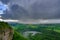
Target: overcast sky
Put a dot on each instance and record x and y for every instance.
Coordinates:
(33, 9)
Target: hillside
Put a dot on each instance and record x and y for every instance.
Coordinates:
(8, 33)
(29, 31)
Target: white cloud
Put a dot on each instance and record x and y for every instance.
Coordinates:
(40, 21)
(8, 20)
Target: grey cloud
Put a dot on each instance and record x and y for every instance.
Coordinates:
(35, 9)
(5, 1)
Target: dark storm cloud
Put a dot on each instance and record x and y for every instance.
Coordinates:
(5, 1)
(45, 9)
(36, 9)
(16, 12)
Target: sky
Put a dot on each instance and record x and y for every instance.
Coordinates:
(32, 9)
